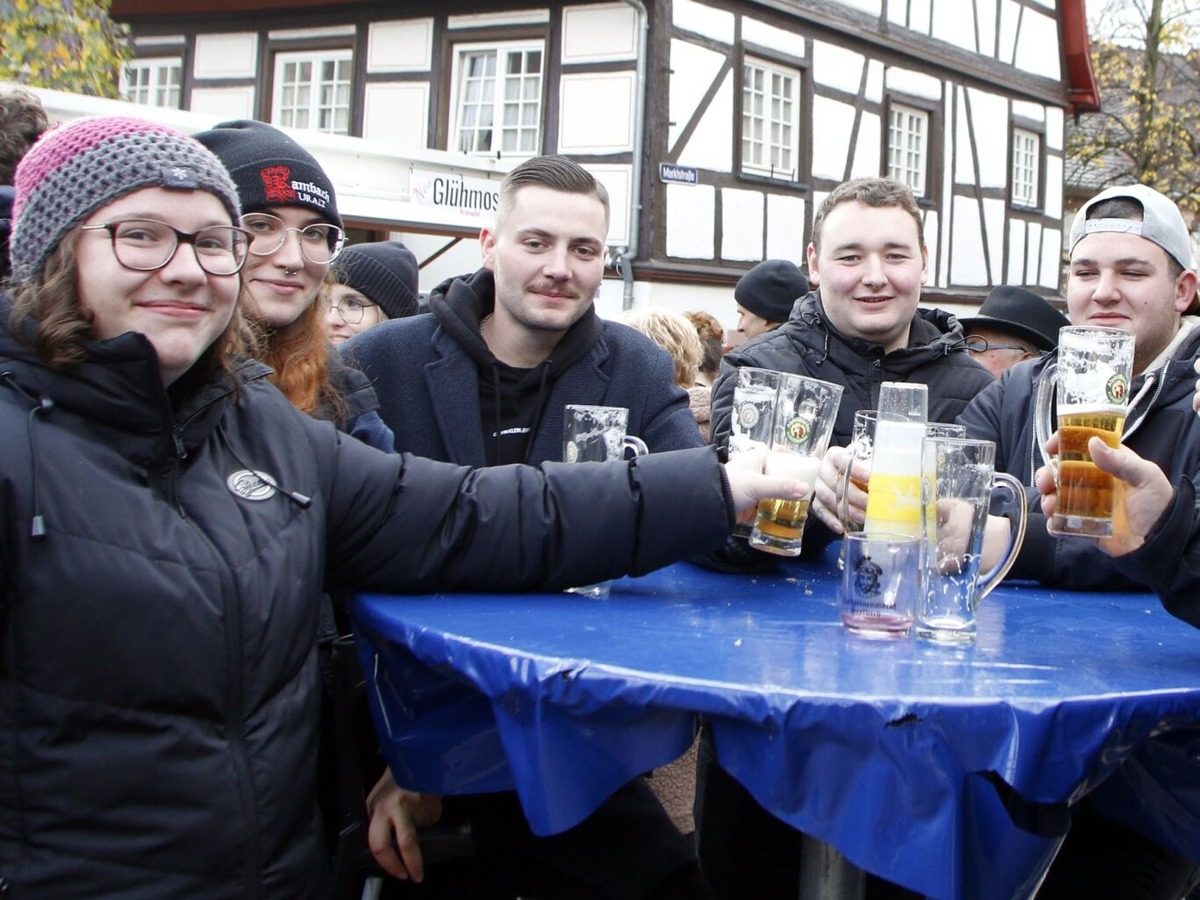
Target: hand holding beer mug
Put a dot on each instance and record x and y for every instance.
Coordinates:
(1090, 382)
(805, 411)
(754, 398)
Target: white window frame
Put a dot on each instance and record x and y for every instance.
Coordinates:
(322, 101)
(770, 119)
(156, 81)
(1026, 168)
(505, 124)
(908, 144)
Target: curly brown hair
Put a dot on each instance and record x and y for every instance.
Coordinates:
(22, 121)
(712, 337)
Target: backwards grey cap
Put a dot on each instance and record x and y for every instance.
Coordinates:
(1161, 222)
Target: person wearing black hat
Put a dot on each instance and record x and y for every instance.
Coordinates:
(375, 282)
(1013, 324)
(766, 294)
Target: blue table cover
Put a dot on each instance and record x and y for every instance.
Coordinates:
(947, 770)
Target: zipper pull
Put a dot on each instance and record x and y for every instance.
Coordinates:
(177, 438)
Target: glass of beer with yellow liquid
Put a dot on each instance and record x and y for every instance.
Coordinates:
(805, 411)
(1089, 385)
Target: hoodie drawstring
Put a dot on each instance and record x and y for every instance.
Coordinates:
(40, 407)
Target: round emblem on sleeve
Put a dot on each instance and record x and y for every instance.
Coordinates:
(250, 485)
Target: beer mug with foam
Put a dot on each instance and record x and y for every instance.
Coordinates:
(754, 396)
(805, 412)
(959, 476)
(1089, 382)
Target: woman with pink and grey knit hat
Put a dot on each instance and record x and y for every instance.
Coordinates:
(170, 520)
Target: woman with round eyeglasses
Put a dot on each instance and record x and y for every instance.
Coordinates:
(374, 282)
(289, 207)
(170, 521)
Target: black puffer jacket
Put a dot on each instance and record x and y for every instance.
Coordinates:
(809, 345)
(158, 685)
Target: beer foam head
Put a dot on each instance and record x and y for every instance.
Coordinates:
(1161, 222)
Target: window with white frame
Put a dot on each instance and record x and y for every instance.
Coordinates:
(1026, 167)
(312, 90)
(770, 119)
(908, 146)
(498, 98)
(153, 82)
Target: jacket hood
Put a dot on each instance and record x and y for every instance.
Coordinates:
(933, 333)
(512, 396)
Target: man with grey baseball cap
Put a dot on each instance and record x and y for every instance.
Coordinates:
(1131, 268)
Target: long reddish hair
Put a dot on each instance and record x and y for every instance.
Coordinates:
(299, 354)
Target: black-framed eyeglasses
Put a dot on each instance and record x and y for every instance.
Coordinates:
(320, 243)
(145, 245)
(351, 309)
(977, 343)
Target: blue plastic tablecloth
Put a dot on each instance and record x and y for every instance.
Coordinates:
(947, 770)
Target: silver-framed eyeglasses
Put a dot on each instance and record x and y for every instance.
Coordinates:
(351, 309)
(977, 343)
(145, 245)
(320, 243)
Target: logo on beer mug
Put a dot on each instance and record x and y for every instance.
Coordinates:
(748, 416)
(1116, 388)
(866, 577)
(798, 430)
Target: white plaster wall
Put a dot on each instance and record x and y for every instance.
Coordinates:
(989, 118)
(837, 67)
(1037, 45)
(785, 228)
(1014, 272)
(876, 73)
(305, 34)
(711, 144)
(714, 23)
(507, 17)
(831, 139)
(693, 70)
(396, 113)
(617, 180)
(756, 32)
(932, 234)
(1033, 112)
(1054, 128)
(954, 22)
(874, 7)
(226, 55)
(1006, 48)
(967, 262)
(607, 31)
(691, 220)
(995, 213)
(224, 103)
(867, 160)
(1051, 258)
(1033, 252)
(596, 112)
(400, 46)
(985, 16)
(916, 83)
(1054, 187)
(742, 220)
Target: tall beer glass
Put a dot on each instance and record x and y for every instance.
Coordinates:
(1090, 385)
(805, 412)
(754, 397)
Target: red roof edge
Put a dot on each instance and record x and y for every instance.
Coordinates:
(1082, 91)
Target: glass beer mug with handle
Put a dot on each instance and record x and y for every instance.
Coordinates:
(959, 476)
(1089, 384)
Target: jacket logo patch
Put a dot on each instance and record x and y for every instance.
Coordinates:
(249, 485)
